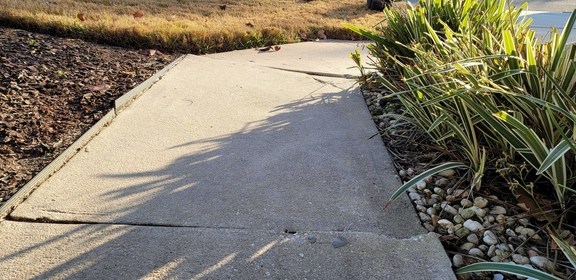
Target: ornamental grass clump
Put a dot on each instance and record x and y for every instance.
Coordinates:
(481, 84)
(490, 91)
(407, 28)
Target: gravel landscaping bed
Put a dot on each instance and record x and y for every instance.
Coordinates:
(52, 90)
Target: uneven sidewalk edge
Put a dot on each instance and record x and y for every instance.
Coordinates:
(120, 104)
(108, 251)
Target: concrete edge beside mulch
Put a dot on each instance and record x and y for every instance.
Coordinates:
(120, 104)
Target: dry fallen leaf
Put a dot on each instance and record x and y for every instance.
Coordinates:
(269, 48)
(81, 16)
(529, 204)
(138, 14)
(265, 49)
(100, 87)
(150, 52)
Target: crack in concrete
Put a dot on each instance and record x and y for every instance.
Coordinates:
(321, 74)
(44, 220)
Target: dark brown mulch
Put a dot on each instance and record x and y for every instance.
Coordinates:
(52, 90)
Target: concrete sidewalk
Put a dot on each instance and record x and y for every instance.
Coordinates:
(228, 168)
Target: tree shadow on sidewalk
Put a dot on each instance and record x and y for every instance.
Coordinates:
(226, 199)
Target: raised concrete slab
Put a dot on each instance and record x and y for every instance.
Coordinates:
(50, 251)
(322, 57)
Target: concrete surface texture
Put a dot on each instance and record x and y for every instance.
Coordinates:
(229, 169)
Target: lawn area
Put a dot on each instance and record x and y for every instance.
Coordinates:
(195, 26)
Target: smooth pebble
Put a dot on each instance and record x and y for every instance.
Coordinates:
(438, 191)
(476, 252)
(458, 192)
(447, 173)
(519, 259)
(467, 213)
(473, 238)
(473, 225)
(442, 182)
(497, 276)
(421, 185)
(449, 209)
(458, 260)
(489, 238)
(445, 223)
(466, 203)
(542, 262)
(461, 232)
(424, 217)
(467, 246)
(480, 202)
(496, 210)
(480, 212)
(409, 171)
(458, 219)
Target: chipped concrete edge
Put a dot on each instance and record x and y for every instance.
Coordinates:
(120, 104)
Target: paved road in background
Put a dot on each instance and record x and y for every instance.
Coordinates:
(551, 5)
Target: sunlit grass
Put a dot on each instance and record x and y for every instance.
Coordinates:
(196, 26)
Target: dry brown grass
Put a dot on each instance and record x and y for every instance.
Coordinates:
(197, 26)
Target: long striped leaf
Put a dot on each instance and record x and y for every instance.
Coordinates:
(569, 251)
(515, 269)
(555, 154)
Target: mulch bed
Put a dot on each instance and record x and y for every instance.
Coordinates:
(52, 90)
